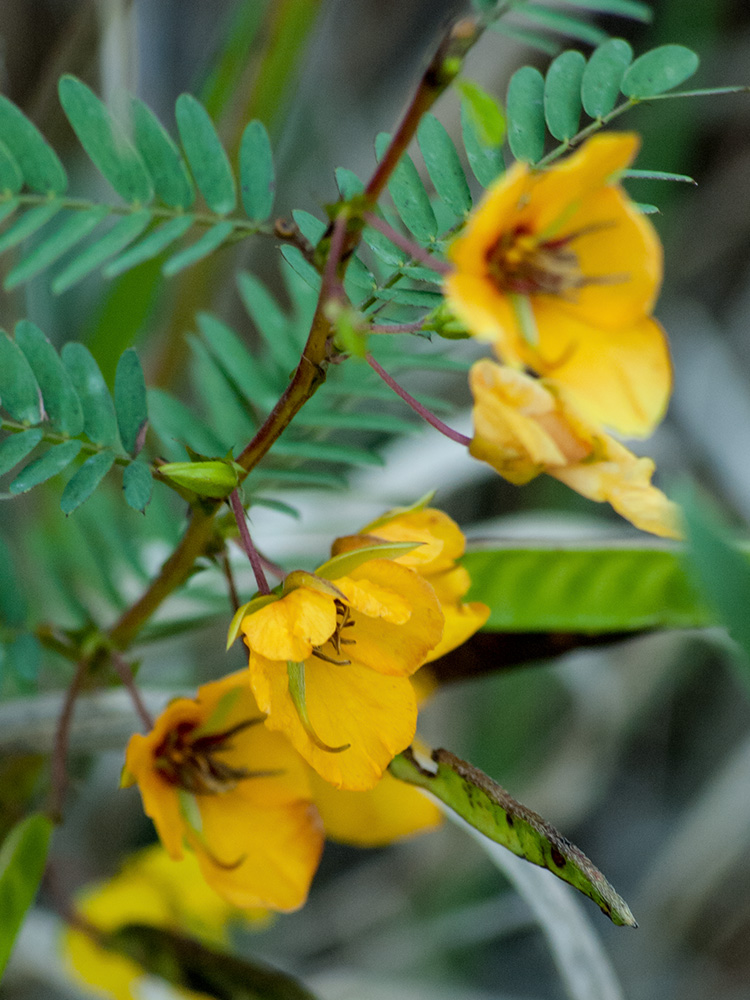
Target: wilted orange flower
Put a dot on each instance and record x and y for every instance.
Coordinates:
(441, 544)
(330, 662)
(560, 271)
(524, 426)
(240, 797)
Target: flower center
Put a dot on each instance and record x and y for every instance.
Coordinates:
(193, 761)
(337, 640)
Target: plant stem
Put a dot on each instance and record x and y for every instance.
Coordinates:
(405, 244)
(247, 543)
(126, 676)
(423, 412)
(60, 752)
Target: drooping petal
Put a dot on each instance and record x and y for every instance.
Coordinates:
(442, 541)
(621, 379)
(375, 714)
(389, 811)
(461, 622)
(259, 856)
(288, 628)
(375, 601)
(486, 312)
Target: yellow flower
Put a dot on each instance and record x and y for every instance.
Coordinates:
(151, 889)
(212, 776)
(524, 426)
(248, 806)
(330, 662)
(560, 271)
(442, 543)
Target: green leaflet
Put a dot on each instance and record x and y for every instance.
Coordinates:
(105, 142)
(555, 20)
(150, 246)
(137, 485)
(443, 165)
(123, 232)
(189, 965)
(409, 196)
(486, 161)
(222, 403)
(54, 460)
(60, 398)
(16, 447)
(562, 94)
(75, 228)
(11, 178)
(239, 365)
(347, 562)
(269, 319)
(659, 70)
(177, 425)
(296, 260)
(590, 588)
(210, 241)
(83, 483)
(19, 392)
(323, 451)
(602, 77)
(624, 8)
(99, 420)
(257, 179)
(525, 108)
(170, 176)
(23, 857)
(40, 165)
(130, 402)
(206, 155)
(486, 806)
(296, 675)
(28, 224)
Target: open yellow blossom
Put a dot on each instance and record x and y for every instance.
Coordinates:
(524, 426)
(442, 543)
(330, 662)
(560, 271)
(212, 776)
(247, 805)
(151, 889)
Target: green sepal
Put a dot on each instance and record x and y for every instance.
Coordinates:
(301, 578)
(296, 675)
(524, 314)
(487, 807)
(348, 561)
(247, 609)
(215, 478)
(389, 515)
(445, 324)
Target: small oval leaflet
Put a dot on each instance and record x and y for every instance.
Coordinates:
(137, 485)
(602, 77)
(659, 70)
(525, 108)
(257, 179)
(171, 179)
(130, 401)
(40, 165)
(83, 483)
(60, 398)
(99, 421)
(206, 155)
(54, 460)
(443, 165)
(409, 195)
(562, 94)
(15, 447)
(23, 857)
(20, 395)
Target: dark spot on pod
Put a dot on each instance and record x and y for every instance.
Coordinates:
(558, 858)
(509, 819)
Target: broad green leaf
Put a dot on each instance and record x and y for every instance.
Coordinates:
(443, 165)
(171, 179)
(584, 588)
(13, 607)
(75, 228)
(106, 143)
(623, 8)
(210, 241)
(206, 156)
(83, 483)
(239, 365)
(487, 807)
(325, 451)
(720, 568)
(603, 75)
(28, 224)
(525, 109)
(656, 175)
(176, 425)
(54, 460)
(409, 196)
(296, 260)
(348, 183)
(189, 965)
(659, 70)
(150, 246)
(99, 420)
(23, 858)
(571, 27)
(61, 401)
(486, 113)
(11, 178)
(347, 562)
(137, 485)
(123, 233)
(130, 402)
(486, 161)
(257, 179)
(562, 94)
(15, 447)
(40, 165)
(19, 392)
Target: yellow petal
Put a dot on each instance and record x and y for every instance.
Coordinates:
(496, 212)
(289, 628)
(486, 312)
(374, 600)
(461, 622)
(389, 811)
(352, 704)
(442, 539)
(621, 379)
(277, 847)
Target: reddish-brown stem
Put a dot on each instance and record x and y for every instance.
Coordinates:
(423, 412)
(404, 243)
(398, 327)
(126, 676)
(62, 736)
(226, 566)
(247, 543)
